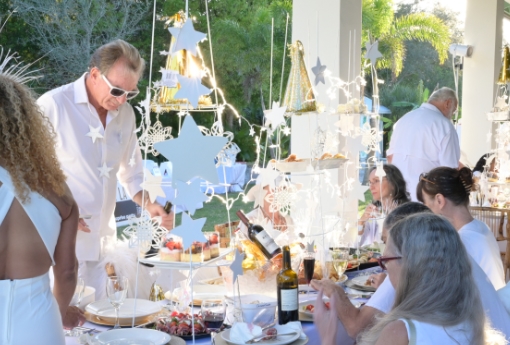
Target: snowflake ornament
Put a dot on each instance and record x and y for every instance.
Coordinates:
(371, 137)
(144, 232)
(154, 134)
(282, 198)
(227, 156)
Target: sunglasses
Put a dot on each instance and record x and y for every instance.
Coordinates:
(118, 92)
(381, 260)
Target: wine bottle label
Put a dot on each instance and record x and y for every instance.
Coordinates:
(289, 299)
(266, 240)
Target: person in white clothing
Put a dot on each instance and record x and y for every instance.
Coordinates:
(357, 320)
(97, 144)
(436, 299)
(446, 192)
(425, 138)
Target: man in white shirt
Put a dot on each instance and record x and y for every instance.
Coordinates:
(425, 138)
(97, 144)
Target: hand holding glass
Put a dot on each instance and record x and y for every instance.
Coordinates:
(116, 290)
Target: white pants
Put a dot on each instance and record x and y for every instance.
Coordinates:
(29, 313)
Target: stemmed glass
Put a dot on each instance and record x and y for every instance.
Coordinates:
(116, 290)
(340, 258)
(213, 314)
(78, 292)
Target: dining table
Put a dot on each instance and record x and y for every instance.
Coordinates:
(308, 327)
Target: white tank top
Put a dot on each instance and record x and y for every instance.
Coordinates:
(43, 214)
(429, 334)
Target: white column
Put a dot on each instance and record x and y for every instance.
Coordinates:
(331, 30)
(484, 26)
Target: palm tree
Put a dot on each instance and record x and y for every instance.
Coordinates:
(379, 23)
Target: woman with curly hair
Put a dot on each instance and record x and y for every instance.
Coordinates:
(38, 222)
(446, 192)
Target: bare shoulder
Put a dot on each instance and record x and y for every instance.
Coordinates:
(64, 203)
(395, 333)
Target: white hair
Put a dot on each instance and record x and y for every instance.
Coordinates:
(443, 94)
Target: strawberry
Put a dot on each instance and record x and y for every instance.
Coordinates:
(170, 245)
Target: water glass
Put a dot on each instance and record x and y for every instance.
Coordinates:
(116, 290)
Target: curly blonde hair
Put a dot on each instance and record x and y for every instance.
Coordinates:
(27, 146)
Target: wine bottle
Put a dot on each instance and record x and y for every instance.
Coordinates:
(287, 287)
(260, 237)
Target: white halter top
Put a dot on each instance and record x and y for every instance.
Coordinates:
(43, 214)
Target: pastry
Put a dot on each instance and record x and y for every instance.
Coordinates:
(327, 155)
(171, 248)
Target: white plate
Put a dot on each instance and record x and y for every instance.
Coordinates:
(103, 308)
(133, 336)
(360, 282)
(330, 163)
(280, 340)
(292, 166)
(202, 292)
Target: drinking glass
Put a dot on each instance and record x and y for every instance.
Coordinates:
(78, 292)
(116, 290)
(213, 314)
(340, 259)
(309, 266)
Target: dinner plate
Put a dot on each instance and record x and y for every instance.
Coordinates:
(218, 340)
(123, 322)
(202, 292)
(280, 340)
(359, 284)
(133, 336)
(104, 308)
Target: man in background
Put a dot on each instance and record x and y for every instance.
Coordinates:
(425, 138)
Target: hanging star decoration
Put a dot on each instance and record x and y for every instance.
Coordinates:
(186, 37)
(94, 133)
(310, 247)
(237, 265)
(152, 185)
(190, 230)
(155, 134)
(371, 137)
(257, 195)
(104, 171)
(252, 131)
(373, 52)
(267, 177)
(282, 198)
(191, 89)
(345, 124)
(144, 231)
(501, 103)
(132, 161)
(286, 130)
(227, 155)
(192, 154)
(354, 144)
(357, 190)
(319, 70)
(379, 171)
(189, 195)
(274, 117)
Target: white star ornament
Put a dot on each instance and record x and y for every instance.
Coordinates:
(104, 171)
(501, 103)
(310, 247)
(94, 133)
(152, 185)
(267, 177)
(190, 230)
(274, 117)
(358, 191)
(186, 37)
(191, 89)
(237, 265)
(373, 52)
(318, 71)
(189, 195)
(192, 154)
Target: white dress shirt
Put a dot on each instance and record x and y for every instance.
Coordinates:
(69, 110)
(422, 140)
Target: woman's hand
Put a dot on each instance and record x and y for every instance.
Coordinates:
(370, 210)
(326, 320)
(377, 279)
(74, 317)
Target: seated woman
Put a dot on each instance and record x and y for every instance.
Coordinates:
(386, 195)
(436, 300)
(446, 192)
(38, 222)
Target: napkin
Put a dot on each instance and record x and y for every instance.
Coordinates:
(291, 326)
(241, 332)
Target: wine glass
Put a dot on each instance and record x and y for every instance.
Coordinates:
(309, 265)
(340, 258)
(116, 290)
(213, 314)
(78, 292)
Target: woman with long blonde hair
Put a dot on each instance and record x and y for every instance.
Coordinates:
(38, 222)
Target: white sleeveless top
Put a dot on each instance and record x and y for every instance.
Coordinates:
(429, 334)
(43, 214)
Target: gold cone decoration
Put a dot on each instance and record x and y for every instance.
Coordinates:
(156, 293)
(299, 95)
(504, 75)
(185, 64)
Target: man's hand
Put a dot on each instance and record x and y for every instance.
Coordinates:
(74, 317)
(82, 225)
(167, 220)
(326, 320)
(377, 279)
